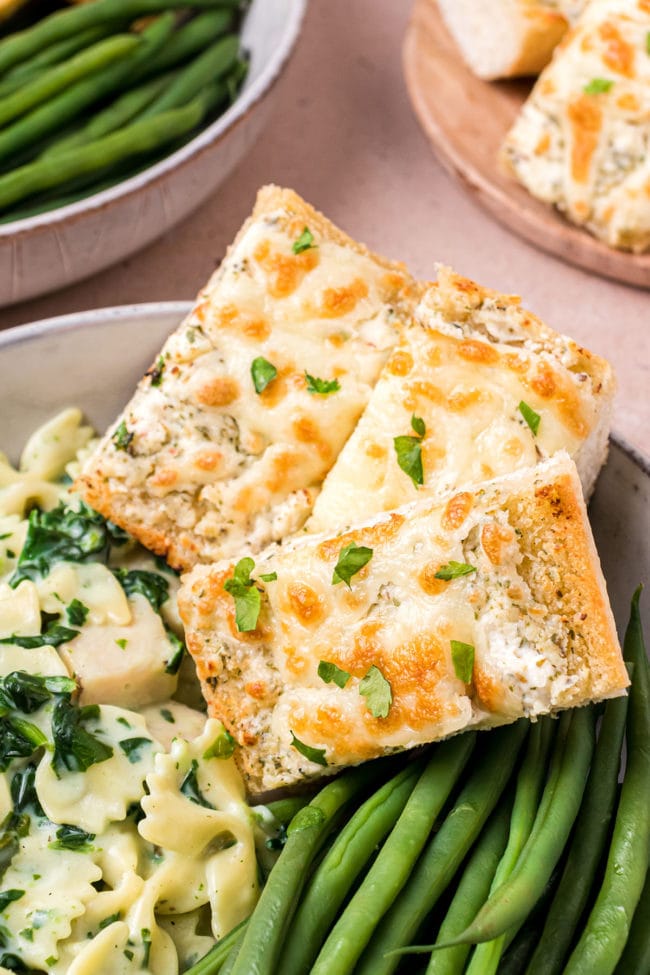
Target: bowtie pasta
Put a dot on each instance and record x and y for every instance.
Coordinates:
(126, 844)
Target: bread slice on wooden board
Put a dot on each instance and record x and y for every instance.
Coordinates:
(470, 364)
(526, 600)
(208, 459)
(508, 38)
(582, 138)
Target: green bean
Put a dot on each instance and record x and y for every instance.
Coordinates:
(522, 944)
(509, 906)
(270, 919)
(212, 962)
(395, 860)
(61, 76)
(606, 930)
(187, 41)
(589, 839)
(636, 957)
(339, 869)
(208, 67)
(140, 137)
(67, 105)
(24, 44)
(233, 955)
(51, 55)
(447, 849)
(113, 117)
(485, 959)
(285, 809)
(472, 890)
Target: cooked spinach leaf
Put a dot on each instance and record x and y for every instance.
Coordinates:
(190, 787)
(72, 838)
(75, 748)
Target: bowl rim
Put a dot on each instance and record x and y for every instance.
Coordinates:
(98, 316)
(241, 107)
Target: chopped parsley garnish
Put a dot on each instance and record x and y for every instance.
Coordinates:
(77, 612)
(597, 86)
(304, 242)
(377, 692)
(321, 387)
(132, 748)
(462, 657)
(190, 787)
(332, 674)
(20, 691)
(64, 535)
(316, 755)
(76, 748)
(145, 934)
(223, 746)
(269, 576)
(263, 372)
(530, 416)
(167, 715)
(453, 570)
(18, 739)
(8, 896)
(156, 372)
(122, 643)
(123, 437)
(72, 838)
(53, 636)
(5, 535)
(409, 451)
(111, 919)
(246, 595)
(351, 560)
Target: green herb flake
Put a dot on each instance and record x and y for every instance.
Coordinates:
(408, 450)
(647, 43)
(145, 934)
(132, 748)
(72, 838)
(223, 746)
(377, 692)
(304, 242)
(27, 934)
(351, 560)
(122, 643)
(246, 595)
(530, 416)
(321, 387)
(156, 372)
(128, 954)
(5, 536)
(77, 613)
(166, 714)
(332, 674)
(123, 437)
(7, 897)
(462, 657)
(269, 576)
(190, 787)
(263, 372)
(453, 570)
(111, 919)
(598, 86)
(316, 755)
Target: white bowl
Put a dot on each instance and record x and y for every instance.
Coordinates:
(46, 252)
(94, 359)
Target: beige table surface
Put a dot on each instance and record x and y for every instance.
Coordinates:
(345, 137)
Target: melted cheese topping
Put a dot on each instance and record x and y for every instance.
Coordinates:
(464, 367)
(214, 466)
(397, 616)
(582, 140)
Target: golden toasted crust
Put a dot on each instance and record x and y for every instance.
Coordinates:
(208, 464)
(534, 609)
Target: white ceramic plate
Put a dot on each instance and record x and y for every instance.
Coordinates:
(94, 359)
(54, 249)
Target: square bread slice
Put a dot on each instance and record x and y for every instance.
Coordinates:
(465, 367)
(230, 433)
(505, 572)
(582, 138)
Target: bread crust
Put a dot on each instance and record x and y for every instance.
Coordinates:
(535, 610)
(207, 464)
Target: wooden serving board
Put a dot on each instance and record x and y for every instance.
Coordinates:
(466, 120)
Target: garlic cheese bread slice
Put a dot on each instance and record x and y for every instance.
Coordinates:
(465, 610)
(582, 139)
(476, 388)
(230, 433)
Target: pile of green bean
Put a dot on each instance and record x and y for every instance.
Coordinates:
(93, 93)
(513, 851)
